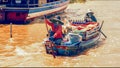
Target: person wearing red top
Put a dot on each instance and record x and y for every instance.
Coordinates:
(56, 32)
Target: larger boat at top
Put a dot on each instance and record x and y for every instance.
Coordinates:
(23, 11)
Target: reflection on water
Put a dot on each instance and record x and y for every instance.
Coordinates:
(26, 48)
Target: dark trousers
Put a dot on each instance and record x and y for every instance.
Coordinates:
(57, 41)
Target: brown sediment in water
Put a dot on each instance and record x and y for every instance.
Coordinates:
(23, 34)
(28, 38)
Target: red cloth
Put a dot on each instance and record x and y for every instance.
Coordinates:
(57, 30)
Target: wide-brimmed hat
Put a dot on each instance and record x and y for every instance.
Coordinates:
(56, 21)
(89, 10)
(58, 17)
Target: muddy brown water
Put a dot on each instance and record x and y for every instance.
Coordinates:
(26, 48)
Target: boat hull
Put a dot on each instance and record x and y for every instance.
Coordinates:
(71, 50)
(26, 15)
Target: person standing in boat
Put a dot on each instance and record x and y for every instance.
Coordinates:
(55, 33)
(90, 16)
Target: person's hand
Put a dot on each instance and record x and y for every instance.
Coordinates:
(45, 16)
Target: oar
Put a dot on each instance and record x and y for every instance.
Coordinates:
(101, 25)
(101, 30)
(46, 25)
(53, 53)
(51, 42)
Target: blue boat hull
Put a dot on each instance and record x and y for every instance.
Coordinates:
(71, 50)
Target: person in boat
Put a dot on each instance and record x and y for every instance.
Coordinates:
(55, 33)
(90, 16)
(72, 39)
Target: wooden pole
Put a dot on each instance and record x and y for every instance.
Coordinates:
(28, 3)
(10, 30)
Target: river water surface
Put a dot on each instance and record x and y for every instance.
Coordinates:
(25, 49)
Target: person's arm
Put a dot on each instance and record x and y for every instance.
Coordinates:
(48, 22)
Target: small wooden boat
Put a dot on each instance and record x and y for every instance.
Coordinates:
(83, 36)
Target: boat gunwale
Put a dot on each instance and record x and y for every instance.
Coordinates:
(34, 7)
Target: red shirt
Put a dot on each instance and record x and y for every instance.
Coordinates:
(57, 30)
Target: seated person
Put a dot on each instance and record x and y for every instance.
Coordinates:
(72, 39)
(90, 16)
